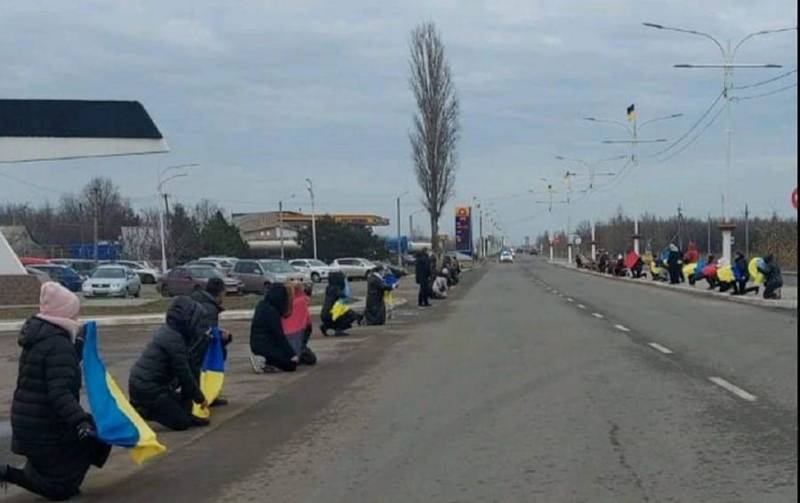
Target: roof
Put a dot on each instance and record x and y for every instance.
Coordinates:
(76, 119)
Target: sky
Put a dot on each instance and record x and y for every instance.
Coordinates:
(264, 94)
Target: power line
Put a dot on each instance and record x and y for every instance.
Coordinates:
(31, 184)
(763, 82)
(762, 95)
(692, 128)
(698, 135)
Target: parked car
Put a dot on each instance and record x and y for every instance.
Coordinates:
(184, 280)
(148, 274)
(112, 281)
(257, 275)
(43, 277)
(317, 269)
(224, 266)
(26, 261)
(354, 267)
(64, 275)
(84, 267)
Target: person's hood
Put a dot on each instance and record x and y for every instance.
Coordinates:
(204, 297)
(186, 316)
(60, 307)
(37, 329)
(336, 278)
(277, 296)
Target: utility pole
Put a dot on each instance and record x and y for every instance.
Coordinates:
(96, 204)
(410, 227)
(399, 247)
(280, 228)
(746, 231)
(680, 227)
(161, 217)
(313, 216)
(709, 234)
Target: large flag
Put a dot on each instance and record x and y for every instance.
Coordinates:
(212, 373)
(117, 421)
(632, 112)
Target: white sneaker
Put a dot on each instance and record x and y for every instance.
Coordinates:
(257, 363)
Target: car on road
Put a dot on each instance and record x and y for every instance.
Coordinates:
(317, 269)
(506, 257)
(65, 276)
(354, 267)
(184, 280)
(148, 274)
(112, 281)
(224, 265)
(257, 275)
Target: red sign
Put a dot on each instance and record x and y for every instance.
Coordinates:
(794, 198)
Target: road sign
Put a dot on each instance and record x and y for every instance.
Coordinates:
(794, 198)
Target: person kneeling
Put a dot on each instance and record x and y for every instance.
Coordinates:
(297, 326)
(336, 315)
(48, 425)
(166, 361)
(267, 339)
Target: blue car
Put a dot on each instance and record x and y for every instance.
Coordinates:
(64, 275)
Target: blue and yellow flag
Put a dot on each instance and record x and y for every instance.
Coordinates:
(116, 420)
(212, 373)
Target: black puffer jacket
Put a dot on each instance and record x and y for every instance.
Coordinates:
(334, 292)
(165, 360)
(46, 410)
(266, 332)
(197, 352)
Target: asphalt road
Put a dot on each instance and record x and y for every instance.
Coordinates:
(536, 384)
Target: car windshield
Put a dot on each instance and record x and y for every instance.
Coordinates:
(204, 272)
(278, 267)
(110, 272)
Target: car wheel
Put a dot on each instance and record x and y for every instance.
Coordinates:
(315, 277)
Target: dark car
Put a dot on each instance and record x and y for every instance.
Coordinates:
(185, 280)
(64, 275)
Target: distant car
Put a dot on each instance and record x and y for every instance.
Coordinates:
(112, 281)
(224, 266)
(506, 257)
(84, 267)
(317, 269)
(354, 267)
(258, 275)
(43, 277)
(148, 274)
(185, 280)
(66, 276)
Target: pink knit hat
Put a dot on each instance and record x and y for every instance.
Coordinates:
(60, 307)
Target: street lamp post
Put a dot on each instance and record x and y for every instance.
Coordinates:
(728, 64)
(313, 216)
(159, 189)
(399, 232)
(280, 225)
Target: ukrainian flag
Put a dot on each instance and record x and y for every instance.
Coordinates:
(116, 420)
(212, 373)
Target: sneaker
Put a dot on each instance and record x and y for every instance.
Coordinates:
(257, 363)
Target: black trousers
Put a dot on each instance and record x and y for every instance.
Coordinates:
(770, 287)
(56, 474)
(169, 410)
(423, 299)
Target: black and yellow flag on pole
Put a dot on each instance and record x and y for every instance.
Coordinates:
(632, 112)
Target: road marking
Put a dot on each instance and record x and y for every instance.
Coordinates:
(598, 316)
(736, 390)
(581, 306)
(570, 299)
(660, 348)
(622, 328)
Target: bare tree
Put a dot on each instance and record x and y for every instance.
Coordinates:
(436, 128)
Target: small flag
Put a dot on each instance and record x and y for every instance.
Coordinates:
(632, 112)
(339, 309)
(116, 420)
(212, 373)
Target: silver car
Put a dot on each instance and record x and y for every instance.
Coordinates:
(112, 281)
(258, 275)
(318, 269)
(353, 267)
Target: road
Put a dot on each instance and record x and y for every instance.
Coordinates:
(534, 383)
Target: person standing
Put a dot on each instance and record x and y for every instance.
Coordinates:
(48, 425)
(674, 265)
(423, 277)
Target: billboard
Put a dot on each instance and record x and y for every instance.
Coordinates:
(464, 229)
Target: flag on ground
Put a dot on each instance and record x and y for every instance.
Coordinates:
(632, 112)
(116, 420)
(212, 373)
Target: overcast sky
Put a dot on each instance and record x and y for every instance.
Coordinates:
(265, 94)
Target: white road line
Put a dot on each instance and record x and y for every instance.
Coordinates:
(736, 390)
(570, 299)
(598, 316)
(660, 348)
(581, 306)
(622, 328)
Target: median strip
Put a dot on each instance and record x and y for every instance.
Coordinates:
(736, 390)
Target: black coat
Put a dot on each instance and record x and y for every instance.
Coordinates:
(197, 352)
(333, 292)
(772, 273)
(423, 269)
(46, 411)
(165, 361)
(375, 313)
(266, 332)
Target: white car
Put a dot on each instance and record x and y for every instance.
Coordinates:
(317, 269)
(148, 274)
(354, 267)
(112, 281)
(506, 257)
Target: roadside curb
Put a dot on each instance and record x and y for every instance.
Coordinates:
(784, 305)
(156, 318)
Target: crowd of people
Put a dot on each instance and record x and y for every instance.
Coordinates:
(435, 281)
(676, 266)
(58, 437)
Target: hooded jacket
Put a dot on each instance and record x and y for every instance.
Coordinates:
(46, 411)
(334, 292)
(375, 312)
(165, 360)
(266, 331)
(212, 309)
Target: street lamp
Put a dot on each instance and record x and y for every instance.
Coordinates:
(313, 216)
(161, 215)
(399, 246)
(727, 66)
(280, 224)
